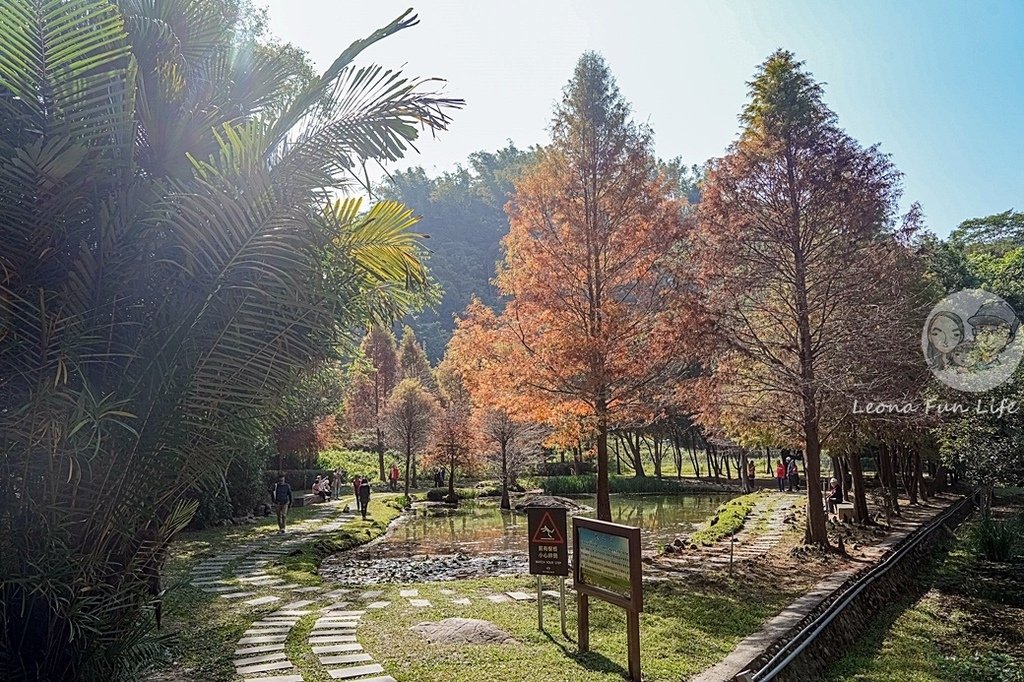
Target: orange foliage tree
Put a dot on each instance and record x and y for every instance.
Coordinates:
(801, 253)
(372, 376)
(593, 316)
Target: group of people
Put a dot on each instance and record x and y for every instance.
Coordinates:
(787, 471)
(440, 476)
(325, 487)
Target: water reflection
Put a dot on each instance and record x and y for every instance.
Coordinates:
(484, 529)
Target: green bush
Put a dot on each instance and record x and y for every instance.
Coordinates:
(355, 462)
(587, 485)
(995, 539)
(728, 519)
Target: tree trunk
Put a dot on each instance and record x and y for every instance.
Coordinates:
(505, 503)
(860, 499)
(604, 507)
(408, 464)
(744, 480)
(451, 476)
(919, 483)
(380, 451)
(618, 458)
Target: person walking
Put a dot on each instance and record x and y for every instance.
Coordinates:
(780, 474)
(364, 496)
(282, 496)
(336, 484)
(356, 482)
(751, 470)
(393, 477)
(794, 476)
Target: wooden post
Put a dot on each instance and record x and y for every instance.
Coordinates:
(633, 640)
(540, 604)
(583, 622)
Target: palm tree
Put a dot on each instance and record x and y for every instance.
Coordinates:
(173, 250)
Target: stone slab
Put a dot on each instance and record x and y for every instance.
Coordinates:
(334, 624)
(295, 605)
(346, 659)
(378, 605)
(261, 600)
(291, 613)
(522, 596)
(267, 667)
(279, 678)
(221, 588)
(336, 648)
(372, 594)
(330, 633)
(419, 603)
(263, 639)
(345, 614)
(332, 639)
(259, 658)
(408, 593)
(461, 602)
(261, 649)
(497, 598)
(237, 595)
(334, 594)
(355, 671)
(308, 588)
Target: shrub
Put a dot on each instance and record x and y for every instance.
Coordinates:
(995, 539)
(587, 485)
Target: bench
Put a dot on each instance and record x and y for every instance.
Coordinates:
(303, 499)
(844, 512)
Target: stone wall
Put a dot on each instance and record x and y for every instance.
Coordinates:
(843, 631)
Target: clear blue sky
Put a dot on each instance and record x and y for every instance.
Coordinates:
(939, 84)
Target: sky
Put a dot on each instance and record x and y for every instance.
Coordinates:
(937, 84)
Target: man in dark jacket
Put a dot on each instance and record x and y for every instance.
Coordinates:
(282, 497)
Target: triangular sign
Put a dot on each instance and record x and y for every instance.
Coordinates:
(547, 532)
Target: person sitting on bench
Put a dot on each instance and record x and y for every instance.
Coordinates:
(835, 496)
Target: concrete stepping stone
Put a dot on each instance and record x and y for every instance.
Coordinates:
(355, 671)
(237, 595)
(296, 605)
(334, 594)
(263, 639)
(378, 605)
(289, 586)
(279, 678)
(461, 602)
(332, 639)
(220, 588)
(336, 649)
(521, 596)
(261, 649)
(334, 633)
(408, 593)
(270, 666)
(344, 614)
(305, 589)
(337, 606)
(276, 620)
(447, 592)
(497, 598)
(346, 659)
(291, 613)
(331, 624)
(257, 629)
(419, 603)
(261, 600)
(263, 658)
(372, 594)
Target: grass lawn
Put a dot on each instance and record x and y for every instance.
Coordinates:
(968, 625)
(685, 628)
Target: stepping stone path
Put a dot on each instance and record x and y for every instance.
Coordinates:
(749, 544)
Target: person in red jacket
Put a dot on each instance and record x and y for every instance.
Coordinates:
(780, 474)
(393, 477)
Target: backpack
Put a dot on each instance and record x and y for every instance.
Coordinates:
(282, 491)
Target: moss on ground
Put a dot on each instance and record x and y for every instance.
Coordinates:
(728, 519)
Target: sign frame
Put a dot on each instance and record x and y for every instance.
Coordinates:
(635, 602)
(535, 519)
(633, 605)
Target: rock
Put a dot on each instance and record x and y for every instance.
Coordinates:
(463, 631)
(669, 549)
(678, 542)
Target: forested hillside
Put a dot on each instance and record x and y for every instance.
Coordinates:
(464, 216)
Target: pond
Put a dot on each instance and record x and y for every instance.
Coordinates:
(480, 539)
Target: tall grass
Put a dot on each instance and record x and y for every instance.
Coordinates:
(587, 485)
(995, 540)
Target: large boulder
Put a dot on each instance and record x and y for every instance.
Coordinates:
(463, 631)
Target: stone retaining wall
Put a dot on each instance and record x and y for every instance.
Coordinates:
(814, 662)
